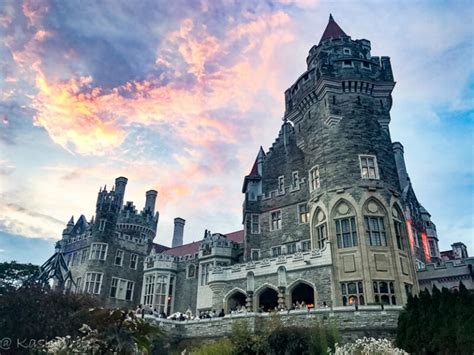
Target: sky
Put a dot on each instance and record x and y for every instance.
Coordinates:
(179, 95)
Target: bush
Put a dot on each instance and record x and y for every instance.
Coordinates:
(221, 347)
(441, 322)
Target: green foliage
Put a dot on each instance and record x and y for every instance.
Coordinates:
(441, 322)
(34, 313)
(274, 338)
(221, 347)
(14, 275)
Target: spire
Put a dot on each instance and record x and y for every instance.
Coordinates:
(71, 221)
(332, 30)
(254, 171)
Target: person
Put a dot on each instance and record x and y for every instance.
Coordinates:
(325, 305)
(221, 313)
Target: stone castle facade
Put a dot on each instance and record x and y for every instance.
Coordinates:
(330, 216)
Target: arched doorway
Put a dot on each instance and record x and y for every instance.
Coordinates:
(235, 301)
(268, 300)
(302, 292)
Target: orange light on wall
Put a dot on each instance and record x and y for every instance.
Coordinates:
(426, 248)
(411, 237)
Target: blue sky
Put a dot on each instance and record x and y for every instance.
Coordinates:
(178, 96)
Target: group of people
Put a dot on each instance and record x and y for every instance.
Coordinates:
(199, 315)
(238, 309)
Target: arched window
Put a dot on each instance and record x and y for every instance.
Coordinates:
(352, 293)
(384, 292)
(346, 228)
(374, 219)
(320, 229)
(400, 231)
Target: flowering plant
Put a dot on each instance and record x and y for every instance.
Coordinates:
(368, 346)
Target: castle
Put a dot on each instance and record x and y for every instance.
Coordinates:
(329, 214)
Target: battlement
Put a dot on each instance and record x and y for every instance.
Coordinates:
(130, 215)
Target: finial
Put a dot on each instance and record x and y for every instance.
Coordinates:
(330, 17)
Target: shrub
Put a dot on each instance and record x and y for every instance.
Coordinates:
(221, 347)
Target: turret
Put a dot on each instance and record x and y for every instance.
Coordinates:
(178, 232)
(151, 200)
(120, 185)
(400, 163)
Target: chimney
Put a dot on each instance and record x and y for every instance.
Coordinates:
(151, 200)
(178, 232)
(401, 167)
(120, 184)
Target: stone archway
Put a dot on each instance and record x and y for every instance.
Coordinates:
(267, 300)
(302, 292)
(234, 300)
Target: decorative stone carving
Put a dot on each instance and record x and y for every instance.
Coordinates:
(236, 268)
(316, 253)
(332, 120)
(265, 262)
(298, 256)
(343, 208)
(281, 259)
(372, 207)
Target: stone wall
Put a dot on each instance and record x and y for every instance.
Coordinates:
(367, 321)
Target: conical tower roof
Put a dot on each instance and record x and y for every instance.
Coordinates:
(332, 30)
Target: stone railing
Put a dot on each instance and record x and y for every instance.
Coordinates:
(352, 324)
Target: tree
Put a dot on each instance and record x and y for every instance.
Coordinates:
(14, 275)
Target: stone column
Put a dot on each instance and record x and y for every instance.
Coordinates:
(217, 294)
(249, 301)
(281, 297)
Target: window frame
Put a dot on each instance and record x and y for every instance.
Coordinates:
(314, 182)
(92, 281)
(252, 251)
(340, 239)
(321, 234)
(379, 294)
(281, 184)
(277, 223)
(358, 295)
(131, 260)
(369, 157)
(303, 217)
(253, 223)
(371, 234)
(121, 258)
(99, 251)
(102, 224)
(127, 287)
(295, 180)
(276, 251)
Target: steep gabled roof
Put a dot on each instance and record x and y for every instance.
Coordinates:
(332, 30)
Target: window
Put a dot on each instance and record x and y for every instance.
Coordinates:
(295, 181)
(133, 261)
(255, 254)
(121, 289)
(98, 251)
(347, 51)
(291, 248)
(93, 282)
(365, 65)
(276, 251)
(149, 290)
(314, 182)
(432, 247)
(398, 234)
(78, 284)
(352, 293)
(303, 214)
(346, 232)
(205, 273)
(191, 271)
(321, 235)
(384, 292)
(275, 220)
(368, 167)
(375, 230)
(347, 64)
(306, 245)
(119, 258)
(281, 184)
(161, 289)
(84, 254)
(255, 224)
(102, 224)
(408, 289)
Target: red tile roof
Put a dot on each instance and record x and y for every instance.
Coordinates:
(332, 30)
(237, 237)
(254, 171)
(184, 249)
(192, 248)
(158, 248)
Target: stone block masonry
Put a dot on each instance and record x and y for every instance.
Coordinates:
(370, 321)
